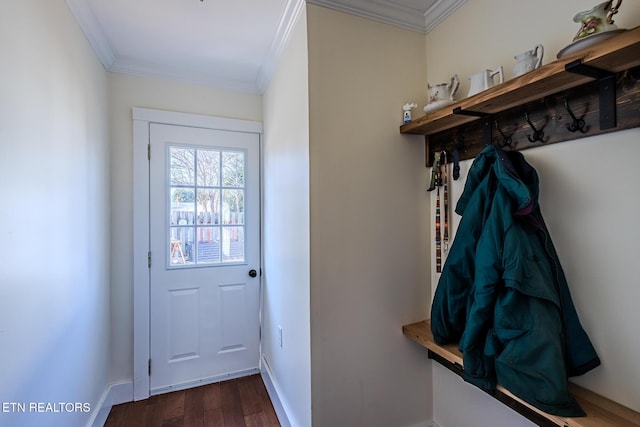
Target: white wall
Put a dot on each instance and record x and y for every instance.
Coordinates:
(54, 215)
(286, 230)
(588, 198)
(369, 251)
(127, 92)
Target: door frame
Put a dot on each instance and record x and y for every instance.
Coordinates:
(142, 119)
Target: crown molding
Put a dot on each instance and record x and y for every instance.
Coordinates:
(381, 12)
(92, 31)
(440, 10)
(393, 13)
(293, 11)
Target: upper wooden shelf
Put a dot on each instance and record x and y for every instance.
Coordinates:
(601, 412)
(615, 54)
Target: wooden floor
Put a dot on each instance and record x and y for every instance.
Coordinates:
(242, 402)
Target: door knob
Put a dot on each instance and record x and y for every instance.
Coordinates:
(253, 273)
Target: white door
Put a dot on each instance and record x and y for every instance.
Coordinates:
(205, 253)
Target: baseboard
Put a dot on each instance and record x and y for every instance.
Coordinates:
(114, 394)
(273, 394)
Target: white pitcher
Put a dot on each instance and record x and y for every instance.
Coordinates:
(442, 94)
(484, 80)
(528, 60)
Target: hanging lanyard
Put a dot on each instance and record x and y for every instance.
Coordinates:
(436, 182)
(440, 159)
(438, 237)
(435, 172)
(456, 164)
(446, 203)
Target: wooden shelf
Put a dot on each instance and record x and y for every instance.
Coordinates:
(541, 93)
(615, 54)
(601, 412)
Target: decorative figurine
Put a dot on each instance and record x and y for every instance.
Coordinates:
(407, 111)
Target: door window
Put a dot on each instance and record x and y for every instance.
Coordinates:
(206, 193)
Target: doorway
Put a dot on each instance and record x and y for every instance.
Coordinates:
(197, 305)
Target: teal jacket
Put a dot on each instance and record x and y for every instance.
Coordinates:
(503, 296)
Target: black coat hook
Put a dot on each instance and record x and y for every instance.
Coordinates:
(577, 124)
(538, 134)
(506, 139)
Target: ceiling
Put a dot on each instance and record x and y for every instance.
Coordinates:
(233, 44)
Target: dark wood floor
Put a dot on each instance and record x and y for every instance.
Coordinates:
(242, 402)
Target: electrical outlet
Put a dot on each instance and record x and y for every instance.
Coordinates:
(280, 335)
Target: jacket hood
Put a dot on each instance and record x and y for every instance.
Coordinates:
(511, 171)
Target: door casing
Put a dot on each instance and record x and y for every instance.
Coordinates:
(142, 118)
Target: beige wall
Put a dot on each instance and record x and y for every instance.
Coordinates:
(286, 230)
(127, 92)
(54, 215)
(588, 198)
(369, 268)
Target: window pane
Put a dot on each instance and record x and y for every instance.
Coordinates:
(233, 206)
(182, 170)
(181, 245)
(208, 245)
(208, 168)
(208, 206)
(233, 169)
(182, 206)
(232, 244)
(206, 191)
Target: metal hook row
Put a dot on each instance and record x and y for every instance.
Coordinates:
(507, 140)
(577, 124)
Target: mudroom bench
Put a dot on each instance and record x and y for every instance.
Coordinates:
(602, 83)
(601, 412)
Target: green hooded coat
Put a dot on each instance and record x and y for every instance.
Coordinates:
(503, 295)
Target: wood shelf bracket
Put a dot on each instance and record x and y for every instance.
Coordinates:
(607, 87)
